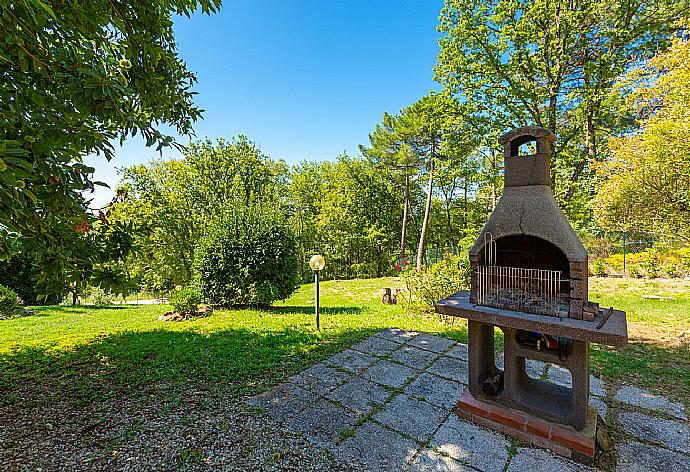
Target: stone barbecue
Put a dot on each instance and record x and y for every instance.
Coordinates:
(529, 278)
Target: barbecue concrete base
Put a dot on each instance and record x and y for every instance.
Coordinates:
(563, 440)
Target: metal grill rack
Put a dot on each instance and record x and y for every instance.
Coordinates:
(514, 288)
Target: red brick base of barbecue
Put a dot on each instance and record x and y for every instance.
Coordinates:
(563, 440)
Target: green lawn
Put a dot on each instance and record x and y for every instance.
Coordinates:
(89, 354)
(658, 354)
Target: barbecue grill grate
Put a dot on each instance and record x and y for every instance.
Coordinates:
(514, 288)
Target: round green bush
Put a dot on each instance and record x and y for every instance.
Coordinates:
(634, 272)
(598, 268)
(100, 297)
(248, 260)
(186, 300)
(8, 300)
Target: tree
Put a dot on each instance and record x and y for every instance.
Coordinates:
(412, 142)
(78, 76)
(390, 150)
(646, 185)
(88, 255)
(551, 64)
(177, 200)
(248, 258)
(349, 211)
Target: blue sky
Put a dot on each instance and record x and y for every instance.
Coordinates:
(305, 80)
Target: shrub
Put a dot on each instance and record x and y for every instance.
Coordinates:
(8, 301)
(20, 273)
(449, 275)
(599, 268)
(671, 270)
(248, 259)
(99, 297)
(634, 271)
(651, 266)
(186, 300)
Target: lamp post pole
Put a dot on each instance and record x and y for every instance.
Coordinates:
(317, 264)
(316, 281)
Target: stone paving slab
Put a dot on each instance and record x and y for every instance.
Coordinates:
(328, 402)
(460, 351)
(450, 368)
(377, 449)
(388, 373)
(597, 386)
(284, 401)
(398, 335)
(436, 390)
(599, 405)
(376, 346)
(430, 461)
(534, 368)
(642, 398)
(320, 378)
(528, 459)
(359, 395)
(353, 361)
(634, 456)
(413, 357)
(472, 444)
(412, 417)
(559, 375)
(323, 423)
(431, 342)
(672, 434)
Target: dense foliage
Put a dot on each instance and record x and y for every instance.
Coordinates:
(551, 63)
(186, 300)
(248, 258)
(76, 78)
(176, 201)
(646, 184)
(348, 211)
(20, 274)
(8, 300)
(443, 278)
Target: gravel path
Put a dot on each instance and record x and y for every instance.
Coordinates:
(198, 432)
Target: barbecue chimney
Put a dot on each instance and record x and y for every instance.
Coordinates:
(529, 238)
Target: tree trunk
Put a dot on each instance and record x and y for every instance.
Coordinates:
(74, 298)
(406, 206)
(425, 223)
(494, 173)
(464, 210)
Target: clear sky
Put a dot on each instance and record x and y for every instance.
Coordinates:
(305, 80)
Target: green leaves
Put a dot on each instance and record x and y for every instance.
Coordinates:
(78, 76)
(179, 201)
(552, 64)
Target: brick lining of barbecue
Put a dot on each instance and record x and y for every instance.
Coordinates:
(562, 440)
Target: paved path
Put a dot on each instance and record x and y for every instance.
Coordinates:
(388, 403)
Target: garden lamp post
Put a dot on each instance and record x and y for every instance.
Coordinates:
(317, 263)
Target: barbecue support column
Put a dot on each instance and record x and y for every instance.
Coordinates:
(481, 363)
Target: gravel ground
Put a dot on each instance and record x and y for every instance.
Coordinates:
(193, 431)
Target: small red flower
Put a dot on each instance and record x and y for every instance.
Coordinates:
(397, 267)
(404, 261)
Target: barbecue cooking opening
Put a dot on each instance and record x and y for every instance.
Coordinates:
(529, 252)
(523, 273)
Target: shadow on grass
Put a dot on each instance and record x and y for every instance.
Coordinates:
(232, 361)
(664, 370)
(53, 309)
(309, 310)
